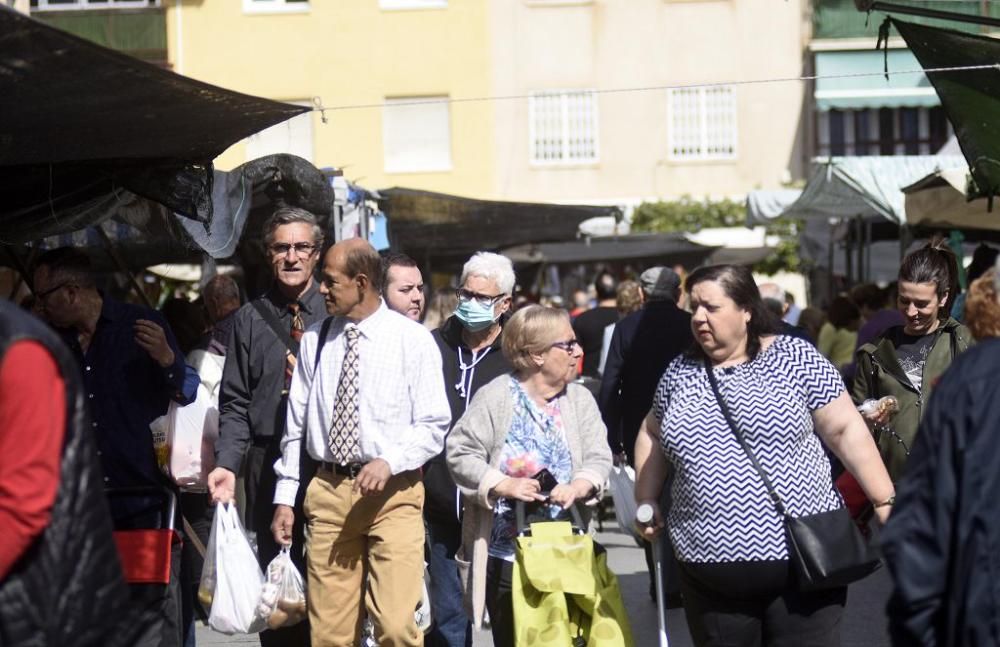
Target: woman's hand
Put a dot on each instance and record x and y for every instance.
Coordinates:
(652, 530)
(567, 494)
(519, 488)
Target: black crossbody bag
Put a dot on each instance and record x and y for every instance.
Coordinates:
(825, 550)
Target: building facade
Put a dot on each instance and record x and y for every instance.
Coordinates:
(601, 101)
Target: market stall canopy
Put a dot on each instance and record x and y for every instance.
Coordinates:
(448, 229)
(766, 205)
(665, 249)
(81, 123)
(869, 187)
(144, 232)
(939, 201)
(971, 98)
(844, 87)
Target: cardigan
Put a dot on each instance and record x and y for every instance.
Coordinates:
(473, 450)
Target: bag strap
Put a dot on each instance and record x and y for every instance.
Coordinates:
(775, 499)
(323, 332)
(519, 514)
(272, 320)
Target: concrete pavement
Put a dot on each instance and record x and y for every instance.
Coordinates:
(864, 623)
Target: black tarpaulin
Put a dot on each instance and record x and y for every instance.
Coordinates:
(79, 122)
(971, 98)
(450, 228)
(674, 248)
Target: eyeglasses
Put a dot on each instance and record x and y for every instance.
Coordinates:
(567, 345)
(301, 249)
(484, 300)
(42, 296)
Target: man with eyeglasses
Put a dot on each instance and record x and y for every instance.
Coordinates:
(260, 360)
(469, 342)
(131, 368)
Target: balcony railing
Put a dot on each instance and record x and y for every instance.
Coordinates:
(840, 18)
(141, 33)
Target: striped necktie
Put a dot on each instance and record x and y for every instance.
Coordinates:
(298, 327)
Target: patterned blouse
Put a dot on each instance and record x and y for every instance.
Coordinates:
(721, 511)
(535, 441)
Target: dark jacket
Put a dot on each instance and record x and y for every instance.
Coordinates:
(441, 503)
(68, 588)
(642, 345)
(879, 374)
(941, 542)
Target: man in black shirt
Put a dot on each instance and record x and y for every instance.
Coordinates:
(254, 388)
(589, 326)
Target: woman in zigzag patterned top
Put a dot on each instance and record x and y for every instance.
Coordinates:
(786, 400)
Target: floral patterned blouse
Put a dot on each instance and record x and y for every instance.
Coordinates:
(535, 441)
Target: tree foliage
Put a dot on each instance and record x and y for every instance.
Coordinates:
(690, 216)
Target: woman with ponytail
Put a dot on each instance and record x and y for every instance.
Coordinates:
(907, 361)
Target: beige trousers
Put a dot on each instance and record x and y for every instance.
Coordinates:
(351, 536)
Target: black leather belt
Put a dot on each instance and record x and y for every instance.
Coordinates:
(351, 470)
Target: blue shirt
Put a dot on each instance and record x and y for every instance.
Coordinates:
(125, 390)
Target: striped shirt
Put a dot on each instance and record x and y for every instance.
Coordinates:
(721, 511)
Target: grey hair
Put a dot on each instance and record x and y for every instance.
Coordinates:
(288, 216)
(492, 267)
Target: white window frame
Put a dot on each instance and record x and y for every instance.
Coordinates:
(703, 135)
(409, 5)
(84, 5)
(274, 6)
(564, 161)
(397, 169)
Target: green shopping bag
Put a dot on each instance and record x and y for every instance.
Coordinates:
(564, 594)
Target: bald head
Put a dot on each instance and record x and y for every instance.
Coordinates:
(352, 272)
(774, 298)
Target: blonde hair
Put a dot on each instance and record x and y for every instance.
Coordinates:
(982, 311)
(629, 297)
(530, 331)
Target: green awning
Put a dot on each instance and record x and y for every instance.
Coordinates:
(861, 92)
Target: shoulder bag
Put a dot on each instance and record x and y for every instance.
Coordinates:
(825, 550)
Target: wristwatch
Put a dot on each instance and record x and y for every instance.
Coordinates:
(890, 501)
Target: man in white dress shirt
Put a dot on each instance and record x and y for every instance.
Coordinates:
(372, 410)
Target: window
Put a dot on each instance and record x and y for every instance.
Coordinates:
(563, 127)
(61, 5)
(275, 6)
(882, 131)
(412, 4)
(702, 123)
(416, 134)
(294, 136)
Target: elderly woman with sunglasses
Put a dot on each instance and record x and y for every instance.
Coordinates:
(533, 420)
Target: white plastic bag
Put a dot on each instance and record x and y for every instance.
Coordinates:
(191, 435)
(236, 580)
(283, 599)
(621, 482)
(184, 440)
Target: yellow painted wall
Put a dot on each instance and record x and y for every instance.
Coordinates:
(351, 52)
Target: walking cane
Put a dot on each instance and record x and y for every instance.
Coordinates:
(644, 515)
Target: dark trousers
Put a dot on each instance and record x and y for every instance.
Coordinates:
(451, 625)
(758, 609)
(499, 601)
(260, 480)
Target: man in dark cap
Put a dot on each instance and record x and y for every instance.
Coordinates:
(642, 345)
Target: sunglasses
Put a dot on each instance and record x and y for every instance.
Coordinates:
(567, 345)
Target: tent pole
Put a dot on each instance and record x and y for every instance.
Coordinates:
(120, 262)
(22, 269)
(868, 252)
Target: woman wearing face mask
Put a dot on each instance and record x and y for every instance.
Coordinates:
(907, 361)
(469, 341)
